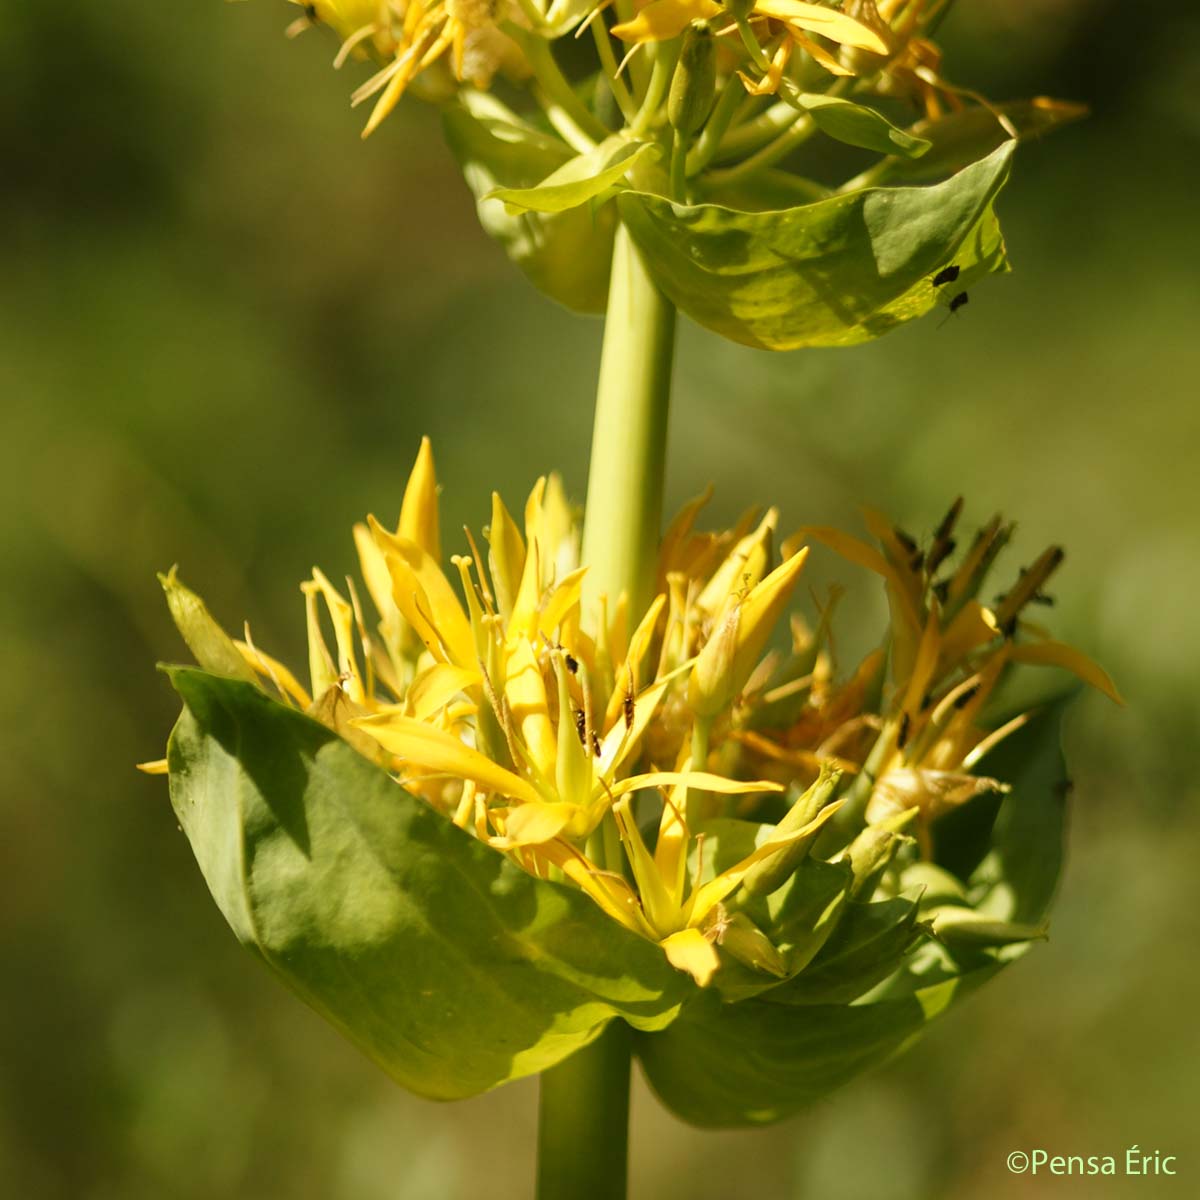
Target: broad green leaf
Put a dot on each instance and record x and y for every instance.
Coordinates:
(579, 180)
(450, 967)
(869, 943)
(1022, 869)
(567, 254)
(721, 1065)
(959, 138)
(857, 125)
(831, 273)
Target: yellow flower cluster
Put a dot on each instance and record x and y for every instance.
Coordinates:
(760, 41)
(485, 687)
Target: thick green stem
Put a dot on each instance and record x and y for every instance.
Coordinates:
(583, 1122)
(629, 440)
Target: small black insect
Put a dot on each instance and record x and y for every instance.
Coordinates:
(627, 707)
(581, 726)
(905, 727)
(572, 663)
(962, 701)
(961, 300)
(946, 275)
(310, 11)
(596, 747)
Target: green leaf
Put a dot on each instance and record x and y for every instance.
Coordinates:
(831, 273)
(721, 1065)
(566, 254)
(450, 967)
(1022, 869)
(857, 125)
(869, 943)
(581, 179)
(959, 138)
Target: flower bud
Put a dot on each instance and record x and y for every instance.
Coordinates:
(694, 83)
(772, 873)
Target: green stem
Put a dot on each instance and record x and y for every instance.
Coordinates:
(583, 1121)
(629, 440)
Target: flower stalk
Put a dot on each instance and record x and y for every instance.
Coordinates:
(583, 1121)
(629, 437)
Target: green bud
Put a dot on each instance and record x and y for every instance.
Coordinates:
(694, 83)
(774, 872)
(870, 854)
(213, 647)
(967, 928)
(740, 938)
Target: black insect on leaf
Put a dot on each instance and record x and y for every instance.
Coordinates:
(946, 275)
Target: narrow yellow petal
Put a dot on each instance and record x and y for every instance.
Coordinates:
(523, 620)
(704, 899)
(606, 888)
(157, 767)
(526, 692)
(506, 556)
(694, 779)
(419, 511)
(425, 597)
(828, 22)
(818, 52)
(275, 671)
(1059, 654)
(435, 750)
(661, 909)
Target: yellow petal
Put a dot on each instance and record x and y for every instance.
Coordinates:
(435, 750)
(973, 626)
(435, 687)
(827, 22)
(660, 907)
(424, 595)
(526, 692)
(506, 556)
(818, 52)
(865, 555)
(275, 671)
(743, 567)
(689, 950)
(664, 19)
(762, 609)
(157, 767)
(533, 824)
(419, 511)
(607, 889)
(344, 632)
(694, 779)
(523, 620)
(562, 602)
(1059, 654)
(704, 899)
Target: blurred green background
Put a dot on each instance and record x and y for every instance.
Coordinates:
(224, 323)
